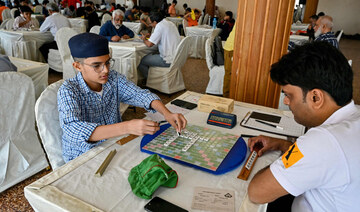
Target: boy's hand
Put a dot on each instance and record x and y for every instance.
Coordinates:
(142, 127)
(176, 120)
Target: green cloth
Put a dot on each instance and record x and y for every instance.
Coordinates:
(151, 173)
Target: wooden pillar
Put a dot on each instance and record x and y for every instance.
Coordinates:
(210, 7)
(310, 9)
(262, 37)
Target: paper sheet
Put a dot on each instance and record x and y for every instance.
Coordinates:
(217, 200)
(159, 117)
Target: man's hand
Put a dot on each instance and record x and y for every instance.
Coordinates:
(268, 143)
(142, 127)
(125, 37)
(176, 120)
(115, 38)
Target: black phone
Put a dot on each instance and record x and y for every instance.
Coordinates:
(184, 104)
(158, 204)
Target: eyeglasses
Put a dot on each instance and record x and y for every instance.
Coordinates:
(98, 68)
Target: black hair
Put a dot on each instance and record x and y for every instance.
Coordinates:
(24, 9)
(185, 6)
(2, 3)
(156, 16)
(145, 9)
(229, 13)
(174, 1)
(321, 14)
(188, 9)
(316, 65)
(45, 2)
(136, 7)
(88, 9)
(315, 17)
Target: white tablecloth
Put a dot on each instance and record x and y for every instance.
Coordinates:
(38, 72)
(79, 24)
(24, 44)
(295, 27)
(299, 39)
(74, 187)
(176, 20)
(199, 36)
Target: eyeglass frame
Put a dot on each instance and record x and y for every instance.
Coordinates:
(107, 63)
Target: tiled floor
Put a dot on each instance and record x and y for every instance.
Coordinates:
(196, 77)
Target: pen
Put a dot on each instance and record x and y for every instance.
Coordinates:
(247, 136)
(271, 125)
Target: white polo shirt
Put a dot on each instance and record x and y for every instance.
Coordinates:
(167, 37)
(54, 23)
(323, 168)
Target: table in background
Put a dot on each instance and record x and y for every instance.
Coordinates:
(38, 72)
(176, 20)
(296, 27)
(24, 44)
(299, 39)
(39, 17)
(199, 36)
(79, 24)
(74, 187)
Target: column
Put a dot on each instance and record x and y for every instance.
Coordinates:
(310, 9)
(262, 36)
(210, 7)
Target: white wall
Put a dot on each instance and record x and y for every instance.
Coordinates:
(224, 5)
(345, 14)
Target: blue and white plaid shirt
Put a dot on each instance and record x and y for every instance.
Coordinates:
(328, 37)
(81, 110)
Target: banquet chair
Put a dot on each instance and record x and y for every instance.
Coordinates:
(350, 62)
(47, 119)
(54, 60)
(3, 24)
(135, 27)
(63, 36)
(169, 79)
(12, 12)
(185, 24)
(9, 24)
(339, 36)
(200, 20)
(95, 29)
(6, 14)
(106, 17)
(205, 20)
(21, 155)
(216, 73)
(38, 9)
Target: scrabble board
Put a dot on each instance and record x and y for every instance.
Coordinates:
(210, 150)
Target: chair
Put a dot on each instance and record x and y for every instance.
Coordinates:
(12, 12)
(54, 60)
(216, 73)
(135, 27)
(9, 24)
(6, 14)
(63, 36)
(95, 29)
(200, 20)
(339, 36)
(21, 155)
(47, 119)
(205, 20)
(350, 62)
(38, 9)
(169, 79)
(106, 17)
(3, 24)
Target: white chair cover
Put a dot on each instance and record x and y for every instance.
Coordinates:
(339, 35)
(170, 80)
(12, 12)
(38, 9)
(95, 29)
(62, 38)
(135, 27)
(185, 24)
(200, 20)
(47, 118)
(216, 73)
(54, 60)
(6, 14)
(9, 24)
(205, 20)
(106, 17)
(350, 62)
(21, 155)
(4, 23)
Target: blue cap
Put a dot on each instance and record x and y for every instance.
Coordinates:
(86, 45)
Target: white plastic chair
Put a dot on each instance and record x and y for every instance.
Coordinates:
(185, 24)
(21, 155)
(63, 36)
(200, 20)
(6, 14)
(106, 17)
(95, 29)
(47, 119)
(4, 23)
(135, 27)
(205, 20)
(216, 73)
(54, 60)
(9, 24)
(12, 12)
(38, 9)
(339, 36)
(169, 79)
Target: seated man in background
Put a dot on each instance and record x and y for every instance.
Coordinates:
(226, 25)
(114, 30)
(24, 21)
(92, 17)
(323, 30)
(53, 23)
(131, 13)
(167, 38)
(310, 30)
(89, 104)
(172, 10)
(145, 20)
(70, 12)
(321, 169)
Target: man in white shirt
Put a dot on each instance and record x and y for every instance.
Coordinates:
(53, 22)
(167, 38)
(321, 169)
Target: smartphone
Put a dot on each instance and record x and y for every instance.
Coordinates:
(184, 104)
(158, 204)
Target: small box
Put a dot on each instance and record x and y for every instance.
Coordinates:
(207, 103)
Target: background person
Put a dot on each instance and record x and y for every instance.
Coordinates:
(323, 30)
(114, 30)
(24, 21)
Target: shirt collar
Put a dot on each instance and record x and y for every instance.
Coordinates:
(341, 114)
